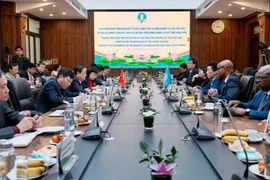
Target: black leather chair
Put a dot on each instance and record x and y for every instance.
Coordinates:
(20, 94)
(247, 83)
(252, 72)
(246, 70)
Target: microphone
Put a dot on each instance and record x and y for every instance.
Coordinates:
(201, 134)
(236, 176)
(94, 133)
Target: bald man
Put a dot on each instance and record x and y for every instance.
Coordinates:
(259, 106)
(229, 88)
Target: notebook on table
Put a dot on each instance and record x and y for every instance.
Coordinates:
(58, 113)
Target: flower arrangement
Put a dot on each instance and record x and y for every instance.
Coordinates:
(158, 162)
(147, 111)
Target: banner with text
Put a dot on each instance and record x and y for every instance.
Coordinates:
(141, 39)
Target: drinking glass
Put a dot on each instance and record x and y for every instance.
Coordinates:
(22, 167)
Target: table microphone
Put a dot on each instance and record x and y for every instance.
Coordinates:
(237, 176)
(201, 134)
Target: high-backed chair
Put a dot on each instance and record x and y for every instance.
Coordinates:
(247, 83)
(246, 70)
(252, 72)
(20, 94)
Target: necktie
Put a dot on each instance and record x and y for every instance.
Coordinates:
(262, 102)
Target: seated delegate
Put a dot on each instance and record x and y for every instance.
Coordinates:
(54, 92)
(11, 122)
(259, 106)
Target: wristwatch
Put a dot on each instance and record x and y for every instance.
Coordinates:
(247, 111)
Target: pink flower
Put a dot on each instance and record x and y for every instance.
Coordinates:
(163, 168)
(174, 56)
(109, 57)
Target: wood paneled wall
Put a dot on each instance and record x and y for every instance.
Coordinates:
(10, 34)
(72, 41)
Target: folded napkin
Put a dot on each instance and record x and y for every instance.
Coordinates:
(252, 155)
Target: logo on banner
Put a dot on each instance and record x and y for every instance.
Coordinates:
(142, 17)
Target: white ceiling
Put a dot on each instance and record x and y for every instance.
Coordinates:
(77, 9)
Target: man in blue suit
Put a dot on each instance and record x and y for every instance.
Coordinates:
(259, 106)
(229, 88)
(54, 92)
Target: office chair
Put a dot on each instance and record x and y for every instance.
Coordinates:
(20, 95)
(247, 83)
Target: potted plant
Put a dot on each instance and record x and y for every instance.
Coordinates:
(148, 116)
(161, 165)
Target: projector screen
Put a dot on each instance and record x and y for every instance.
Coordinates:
(141, 39)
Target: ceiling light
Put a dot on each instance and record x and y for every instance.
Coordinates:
(44, 0)
(51, 14)
(53, 5)
(243, 8)
(219, 12)
(64, 13)
(230, 15)
(41, 9)
(229, 4)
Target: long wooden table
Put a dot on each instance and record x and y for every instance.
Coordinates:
(118, 159)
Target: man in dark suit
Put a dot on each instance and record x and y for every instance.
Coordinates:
(229, 88)
(20, 59)
(192, 66)
(105, 73)
(184, 72)
(259, 106)
(80, 74)
(12, 122)
(55, 92)
(28, 74)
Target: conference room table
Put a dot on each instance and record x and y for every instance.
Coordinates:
(119, 158)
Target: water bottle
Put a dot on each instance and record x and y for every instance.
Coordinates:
(69, 119)
(198, 99)
(218, 113)
(93, 104)
(7, 158)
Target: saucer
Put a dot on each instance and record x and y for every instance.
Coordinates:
(255, 170)
(208, 108)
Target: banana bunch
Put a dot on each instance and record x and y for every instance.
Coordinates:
(36, 167)
(229, 135)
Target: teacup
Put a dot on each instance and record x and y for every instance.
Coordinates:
(209, 106)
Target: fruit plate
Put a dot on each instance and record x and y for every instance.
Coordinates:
(239, 149)
(84, 124)
(255, 170)
(49, 150)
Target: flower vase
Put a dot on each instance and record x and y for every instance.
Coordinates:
(161, 177)
(148, 122)
(146, 102)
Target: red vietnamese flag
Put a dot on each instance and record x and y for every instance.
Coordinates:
(121, 80)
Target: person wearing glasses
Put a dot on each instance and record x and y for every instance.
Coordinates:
(54, 92)
(229, 88)
(259, 106)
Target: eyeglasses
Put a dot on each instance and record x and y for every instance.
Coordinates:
(260, 78)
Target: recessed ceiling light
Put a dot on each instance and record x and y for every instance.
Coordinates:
(230, 15)
(229, 4)
(219, 12)
(53, 5)
(243, 8)
(44, 0)
(51, 14)
(41, 9)
(64, 13)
